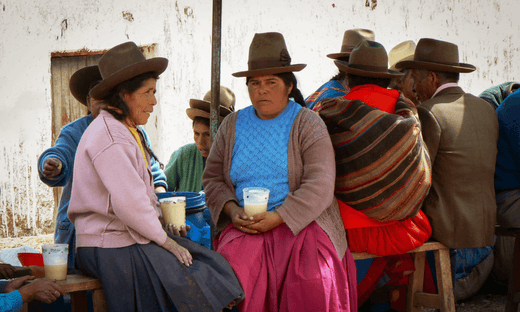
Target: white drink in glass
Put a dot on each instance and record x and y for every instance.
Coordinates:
(57, 271)
(252, 209)
(174, 210)
(255, 200)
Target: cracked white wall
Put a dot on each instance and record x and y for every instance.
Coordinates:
(487, 33)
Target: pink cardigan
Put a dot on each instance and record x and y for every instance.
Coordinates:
(113, 203)
(312, 172)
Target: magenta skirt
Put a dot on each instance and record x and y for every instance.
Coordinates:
(282, 272)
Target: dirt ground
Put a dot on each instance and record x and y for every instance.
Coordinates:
(32, 241)
(480, 303)
(490, 299)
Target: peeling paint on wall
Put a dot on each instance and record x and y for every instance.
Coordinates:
(128, 16)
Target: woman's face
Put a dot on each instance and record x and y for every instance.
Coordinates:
(201, 137)
(269, 95)
(141, 101)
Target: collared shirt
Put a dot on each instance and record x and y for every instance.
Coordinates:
(445, 86)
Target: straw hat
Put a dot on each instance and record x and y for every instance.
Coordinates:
(81, 80)
(268, 55)
(201, 108)
(351, 39)
(121, 63)
(436, 55)
(369, 59)
(404, 51)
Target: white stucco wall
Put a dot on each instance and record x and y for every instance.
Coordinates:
(487, 33)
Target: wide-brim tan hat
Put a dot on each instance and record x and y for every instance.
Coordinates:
(351, 39)
(201, 108)
(404, 51)
(437, 55)
(124, 62)
(268, 55)
(80, 81)
(368, 59)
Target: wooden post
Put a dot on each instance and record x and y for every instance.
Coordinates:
(215, 81)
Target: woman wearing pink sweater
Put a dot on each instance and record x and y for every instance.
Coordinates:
(119, 236)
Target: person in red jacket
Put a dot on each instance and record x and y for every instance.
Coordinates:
(379, 197)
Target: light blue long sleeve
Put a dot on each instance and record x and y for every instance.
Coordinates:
(10, 302)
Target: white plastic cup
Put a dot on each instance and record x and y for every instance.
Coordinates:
(174, 210)
(255, 200)
(55, 261)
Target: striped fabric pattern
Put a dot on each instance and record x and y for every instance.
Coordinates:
(382, 164)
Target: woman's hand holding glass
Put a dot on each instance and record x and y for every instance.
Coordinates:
(239, 217)
(265, 221)
(256, 224)
(180, 252)
(182, 232)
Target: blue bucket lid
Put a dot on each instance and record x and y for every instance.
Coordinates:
(193, 199)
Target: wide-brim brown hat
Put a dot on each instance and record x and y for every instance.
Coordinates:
(201, 108)
(404, 51)
(81, 80)
(124, 62)
(368, 59)
(351, 39)
(437, 55)
(268, 55)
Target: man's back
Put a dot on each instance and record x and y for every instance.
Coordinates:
(461, 132)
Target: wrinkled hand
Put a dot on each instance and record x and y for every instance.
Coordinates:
(51, 167)
(44, 290)
(239, 218)
(180, 252)
(175, 231)
(265, 221)
(6, 270)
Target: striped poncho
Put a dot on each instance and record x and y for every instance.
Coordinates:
(382, 164)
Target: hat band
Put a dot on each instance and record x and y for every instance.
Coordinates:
(379, 69)
(442, 63)
(268, 63)
(346, 48)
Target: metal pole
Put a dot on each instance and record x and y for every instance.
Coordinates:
(215, 82)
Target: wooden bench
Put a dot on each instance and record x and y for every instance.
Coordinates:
(77, 286)
(416, 298)
(513, 287)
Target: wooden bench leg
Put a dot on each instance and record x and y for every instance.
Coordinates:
(444, 280)
(79, 301)
(513, 288)
(99, 301)
(416, 281)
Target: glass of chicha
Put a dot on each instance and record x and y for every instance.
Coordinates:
(255, 200)
(174, 210)
(55, 260)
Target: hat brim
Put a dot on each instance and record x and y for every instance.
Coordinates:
(195, 112)
(337, 56)
(366, 73)
(460, 68)
(156, 64)
(206, 106)
(270, 71)
(81, 80)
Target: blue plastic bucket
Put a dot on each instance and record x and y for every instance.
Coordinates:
(197, 216)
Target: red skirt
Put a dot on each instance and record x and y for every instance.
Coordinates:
(384, 239)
